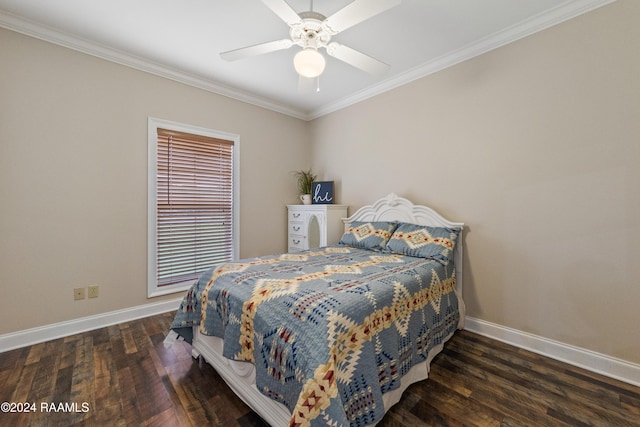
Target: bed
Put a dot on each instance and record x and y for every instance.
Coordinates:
(332, 335)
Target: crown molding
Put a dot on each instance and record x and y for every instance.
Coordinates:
(39, 31)
(563, 12)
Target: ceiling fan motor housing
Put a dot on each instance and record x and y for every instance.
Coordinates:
(310, 32)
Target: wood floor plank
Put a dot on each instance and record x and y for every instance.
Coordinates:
(128, 378)
(403, 415)
(11, 366)
(630, 405)
(129, 342)
(588, 397)
(128, 397)
(107, 387)
(62, 387)
(495, 386)
(492, 393)
(82, 387)
(23, 386)
(528, 390)
(166, 418)
(181, 416)
(453, 406)
(193, 410)
(557, 377)
(35, 353)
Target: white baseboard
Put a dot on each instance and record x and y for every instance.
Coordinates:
(596, 362)
(58, 330)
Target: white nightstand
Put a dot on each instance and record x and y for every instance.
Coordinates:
(314, 226)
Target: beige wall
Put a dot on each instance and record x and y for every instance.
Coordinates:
(536, 147)
(73, 177)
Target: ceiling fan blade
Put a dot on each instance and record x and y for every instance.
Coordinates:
(356, 12)
(356, 59)
(283, 10)
(257, 49)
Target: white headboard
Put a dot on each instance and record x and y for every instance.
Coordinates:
(395, 208)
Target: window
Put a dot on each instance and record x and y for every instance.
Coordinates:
(192, 203)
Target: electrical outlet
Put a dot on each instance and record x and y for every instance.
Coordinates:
(93, 291)
(78, 293)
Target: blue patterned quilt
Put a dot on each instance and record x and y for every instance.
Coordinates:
(329, 330)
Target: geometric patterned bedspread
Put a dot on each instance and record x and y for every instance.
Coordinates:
(329, 330)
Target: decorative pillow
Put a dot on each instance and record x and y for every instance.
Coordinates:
(368, 235)
(422, 241)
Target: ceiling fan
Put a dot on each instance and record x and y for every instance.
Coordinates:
(312, 31)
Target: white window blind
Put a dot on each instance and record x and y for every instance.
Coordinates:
(194, 205)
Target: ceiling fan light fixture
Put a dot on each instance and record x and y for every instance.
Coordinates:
(309, 62)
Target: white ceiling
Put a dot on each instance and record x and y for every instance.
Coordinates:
(182, 40)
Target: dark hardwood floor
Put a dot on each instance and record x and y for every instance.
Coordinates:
(123, 375)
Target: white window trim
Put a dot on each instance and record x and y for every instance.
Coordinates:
(153, 290)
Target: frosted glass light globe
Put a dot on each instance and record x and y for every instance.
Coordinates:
(309, 62)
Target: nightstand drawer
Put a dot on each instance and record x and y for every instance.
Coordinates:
(296, 243)
(296, 228)
(296, 216)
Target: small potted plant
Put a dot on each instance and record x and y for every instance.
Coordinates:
(305, 180)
